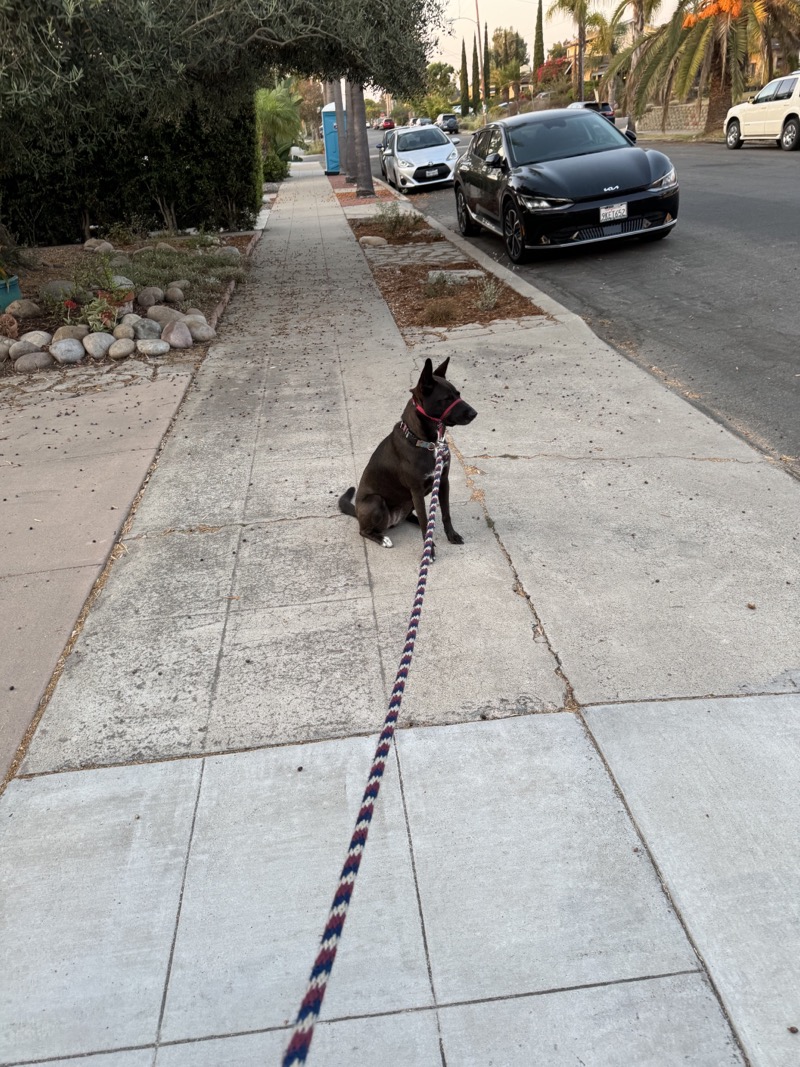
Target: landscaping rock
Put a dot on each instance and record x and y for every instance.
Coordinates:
(97, 344)
(33, 361)
(58, 289)
(163, 246)
(159, 313)
(92, 243)
(39, 338)
(150, 295)
(147, 330)
(103, 248)
(131, 320)
(21, 348)
(4, 350)
(120, 259)
(68, 350)
(153, 348)
(23, 309)
(174, 295)
(124, 332)
(141, 251)
(229, 252)
(122, 348)
(177, 335)
(201, 331)
(78, 332)
(373, 242)
(121, 282)
(182, 283)
(194, 312)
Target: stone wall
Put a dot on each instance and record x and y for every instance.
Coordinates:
(679, 117)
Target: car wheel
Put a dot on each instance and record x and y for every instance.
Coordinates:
(465, 223)
(790, 135)
(513, 233)
(733, 135)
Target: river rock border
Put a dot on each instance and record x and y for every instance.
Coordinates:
(160, 330)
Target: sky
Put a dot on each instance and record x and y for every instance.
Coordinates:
(514, 14)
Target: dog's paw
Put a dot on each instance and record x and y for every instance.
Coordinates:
(386, 543)
(455, 538)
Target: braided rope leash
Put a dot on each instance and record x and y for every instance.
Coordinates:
(297, 1049)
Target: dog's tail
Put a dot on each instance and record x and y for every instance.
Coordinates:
(346, 502)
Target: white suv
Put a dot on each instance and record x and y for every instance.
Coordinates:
(772, 115)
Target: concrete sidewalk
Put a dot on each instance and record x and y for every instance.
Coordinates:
(585, 847)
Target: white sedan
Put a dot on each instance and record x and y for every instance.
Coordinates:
(415, 156)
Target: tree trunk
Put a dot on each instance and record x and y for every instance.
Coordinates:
(719, 96)
(337, 100)
(364, 186)
(581, 51)
(638, 30)
(350, 173)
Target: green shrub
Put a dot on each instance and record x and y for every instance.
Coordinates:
(275, 169)
(392, 222)
(439, 287)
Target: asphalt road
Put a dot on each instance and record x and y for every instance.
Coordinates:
(712, 310)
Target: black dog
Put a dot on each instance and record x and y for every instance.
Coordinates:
(399, 474)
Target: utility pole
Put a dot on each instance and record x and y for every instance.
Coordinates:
(480, 56)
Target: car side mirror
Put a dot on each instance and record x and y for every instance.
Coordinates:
(456, 140)
(631, 136)
(494, 159)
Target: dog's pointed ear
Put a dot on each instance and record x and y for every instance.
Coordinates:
(426, 378)
(441, 370)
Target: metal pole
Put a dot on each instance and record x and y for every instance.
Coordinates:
(484, 86)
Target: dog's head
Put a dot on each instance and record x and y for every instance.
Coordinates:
(438, 399)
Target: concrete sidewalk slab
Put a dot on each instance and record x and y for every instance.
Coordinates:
(554, 887)
(130, 695)
(286, 675)
(660, 1022)
(714, 787)
(642, 571)
(93, 866)
(258, 889)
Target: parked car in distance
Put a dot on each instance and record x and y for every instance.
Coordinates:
(412, 157)
(421, 120)
(773, 114)
(562, 178)
(448, 122)
(387, 124)
(605, 109)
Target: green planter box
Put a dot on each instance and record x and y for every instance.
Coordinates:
(9, 291)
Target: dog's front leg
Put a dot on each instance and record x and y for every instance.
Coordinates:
(421, 510)
(444, 500)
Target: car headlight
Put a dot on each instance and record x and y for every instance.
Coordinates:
(669, 179)
(543, 203)
(453, 155)
(406, 164)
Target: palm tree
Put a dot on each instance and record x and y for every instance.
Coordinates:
(642, 12)
(605, 43)
(578, 10)
(707, 46)
(278, 118)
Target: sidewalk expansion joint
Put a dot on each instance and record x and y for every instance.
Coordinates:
(593, 457)
(412, 1010)
(664, 886)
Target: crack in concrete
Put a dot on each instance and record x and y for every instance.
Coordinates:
(570, 702)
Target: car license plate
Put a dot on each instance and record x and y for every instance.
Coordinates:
(432, 172)
(613, 212)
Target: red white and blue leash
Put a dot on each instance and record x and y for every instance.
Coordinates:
(297, 1049)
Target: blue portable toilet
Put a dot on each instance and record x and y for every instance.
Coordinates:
(330, 137)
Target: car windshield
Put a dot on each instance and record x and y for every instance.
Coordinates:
(562, 135)
(414, 140)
